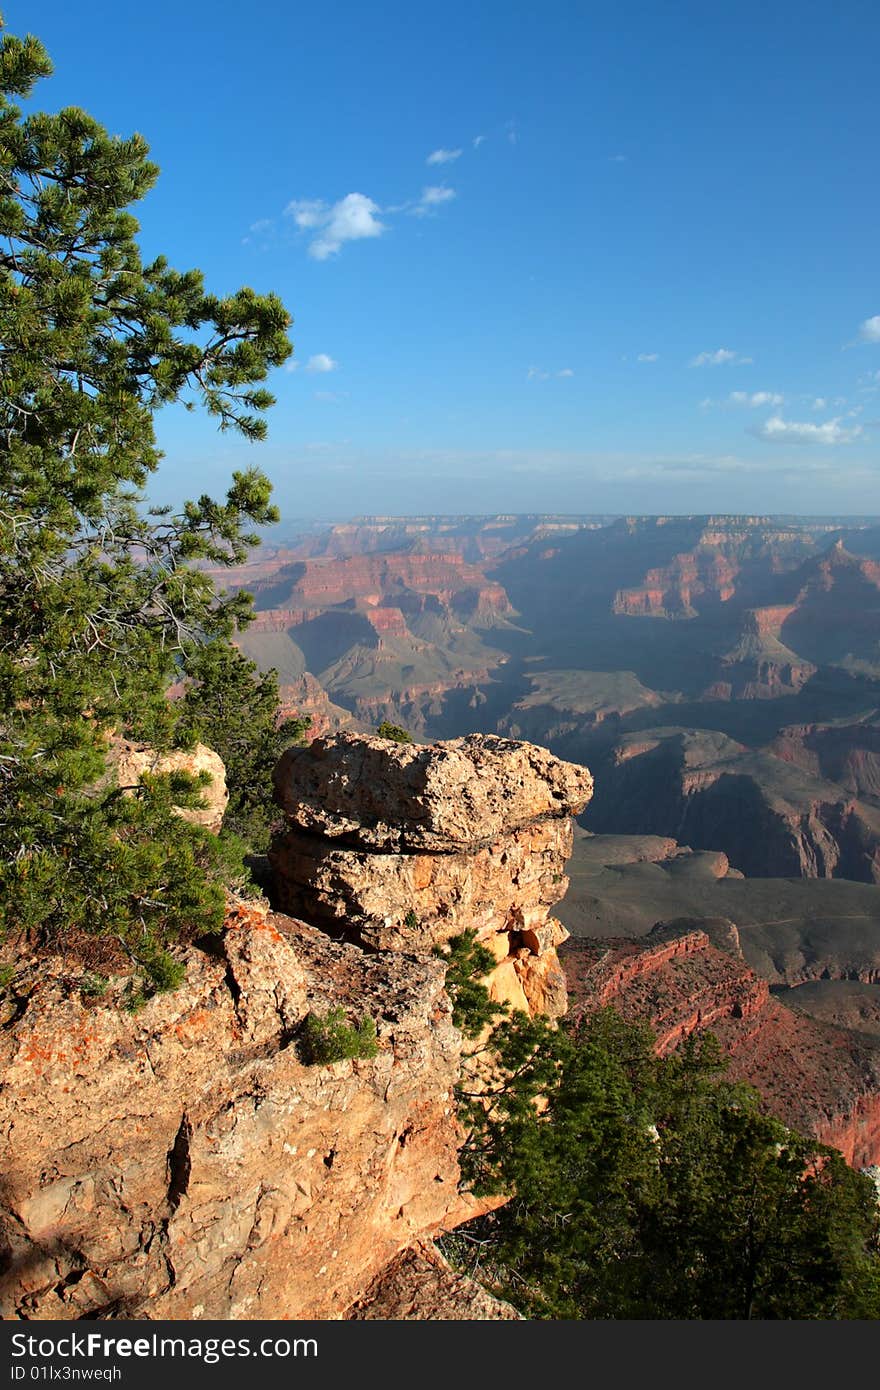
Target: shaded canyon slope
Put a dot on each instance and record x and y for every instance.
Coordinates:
(687, 977)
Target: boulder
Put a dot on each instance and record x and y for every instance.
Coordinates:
(129, 761)
(443, 797)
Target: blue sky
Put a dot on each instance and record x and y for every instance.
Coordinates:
(569, 257)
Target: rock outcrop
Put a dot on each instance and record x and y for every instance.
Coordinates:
(402, 846)
(421, 1285)
(189, 1159)
(127, 763)
(184, 1162)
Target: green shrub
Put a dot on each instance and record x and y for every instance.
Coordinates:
(92, 985)
(393, 732)
(329, 1038)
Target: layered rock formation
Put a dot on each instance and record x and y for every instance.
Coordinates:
(758, 666)
(183, 1161)
(403, 846)
(770, 817)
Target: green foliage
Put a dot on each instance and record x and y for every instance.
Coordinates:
(231, 707)
(101, 607)
(7, 975)
(393, 732)
(648, 1187)
(92, 985)
(331, 1039)
(410, 919)
(467, 962)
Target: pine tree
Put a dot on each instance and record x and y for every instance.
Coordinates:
(646, 1187)
(229, 705)
(101, 607)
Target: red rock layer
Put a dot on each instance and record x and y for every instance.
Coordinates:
(818, 1078)
(670, 589)
(326, 581)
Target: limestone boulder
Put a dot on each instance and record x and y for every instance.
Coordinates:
(413, 902)
(441, 797)
(129, 761)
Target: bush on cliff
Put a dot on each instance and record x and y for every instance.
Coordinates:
(646, 1187)
(101, 608)
(329, 1038)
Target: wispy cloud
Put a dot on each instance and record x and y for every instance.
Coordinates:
(719, 358)
(330, 397)
(779, 431)
(648, 357)
(869, 330)
(443, 156)
(352, 218)
(431, 199)
(756, 399)
(541, 374)
(820, 403)
(618, 159)
(478, 140)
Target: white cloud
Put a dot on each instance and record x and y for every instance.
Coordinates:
(719, 358)
(541, 374)
(756, 398)
(647, 357)
(433, 197)
(869, 331)
(308, 212)
(820, 403)
(321, 362)
(352, 218)
(443, 156)
(779, 431)
(478, 141)
(617, 159)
